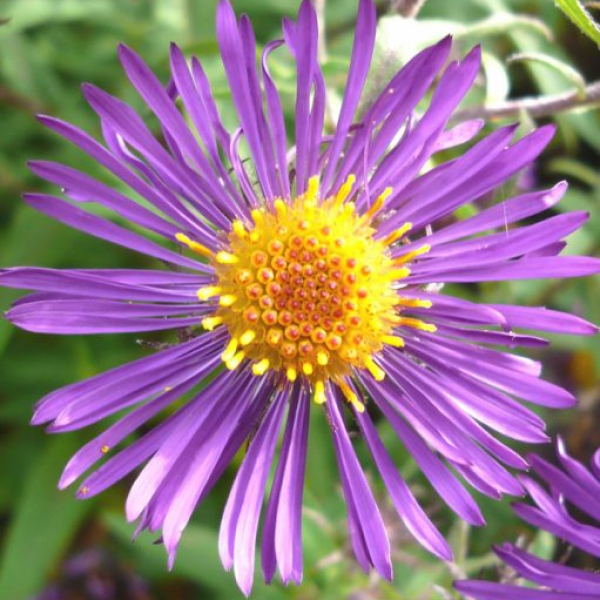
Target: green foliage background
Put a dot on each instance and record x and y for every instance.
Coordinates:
(47, 47)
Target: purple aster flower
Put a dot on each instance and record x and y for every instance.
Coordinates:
(570, 482)
(307, 271)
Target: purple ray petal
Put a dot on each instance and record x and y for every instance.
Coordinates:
(488, 590)
(305, 50)
(241, 74)
(413, 516)
(202, 462)
(103, 229)
(282, 531)
(544, 319)
(459, 134)
(549, 574)
(392, 108)
(439, 476)
(360, 61)
(276, 120)
(245, 500)
(163, 198)
(368, 516)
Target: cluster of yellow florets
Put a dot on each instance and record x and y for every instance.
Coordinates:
(305, 288)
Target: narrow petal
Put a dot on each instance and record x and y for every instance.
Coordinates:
(413, 516)
(258, 460)
(368, 516)
(282, 531)
(103, 229)
(439, 476)
(362, 51)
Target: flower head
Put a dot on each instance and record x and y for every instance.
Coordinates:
(313, 274)
(569, 482)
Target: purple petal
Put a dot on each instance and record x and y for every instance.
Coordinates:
(500, 215)
(282, 531)
(103, 229)
(544, 319)
(84, 188)
(246, 497)
(202, 462)
(203, 415)
(459, 134)
(135, 373)
(238, 54)
(413, 516)
(93, 451)
(157, 99)
(276, 120)
(449, 489)
(305, 50)
(392, 109)
(368, 516)
(138, 286)
(362, 51)
(524, 268)
(474, 362)
(180, 178)
(163, 198)
(488, 590)
(93, 317)
(549, 574)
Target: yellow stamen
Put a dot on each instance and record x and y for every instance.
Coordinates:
(378, 204)
(260, 368)
(375, 370)
(308, 290)
(399, 273)
(396, 235)
(415, 302)
(313, 188)
(228, 300)
(410, 255)
(209, 323)
(247, 337)
(349, 208)
(230, 350)
(393, 340)
(104, 449)
(345, 190)
(258, 217)
(322, 358)
(194, 246)
(351, 396)
(207, 292)
(280, 207)
(239, 229)
(234, 363)
(418, 324)
(226, 258)
(307, 368)
(320, 397)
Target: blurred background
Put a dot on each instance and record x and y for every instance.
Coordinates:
(53, 547)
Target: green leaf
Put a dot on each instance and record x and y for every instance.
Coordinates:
(44, 523)
(579, 16)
